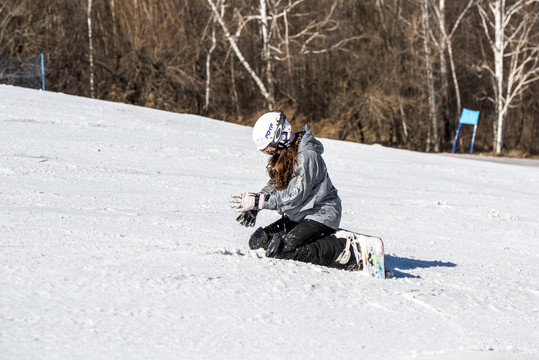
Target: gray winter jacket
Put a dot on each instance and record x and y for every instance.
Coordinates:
(310, 194)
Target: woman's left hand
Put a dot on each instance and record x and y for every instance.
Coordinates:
(247, 218)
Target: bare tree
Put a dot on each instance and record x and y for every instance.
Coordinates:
(208, 59)
(174, 55)
(277, 38)
(233, 43)
(445, 45)
(430, 80)
(515, 49)
(380, 6)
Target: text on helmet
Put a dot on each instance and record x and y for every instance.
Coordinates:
(268, 133)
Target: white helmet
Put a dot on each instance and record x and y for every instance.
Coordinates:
(272, 129)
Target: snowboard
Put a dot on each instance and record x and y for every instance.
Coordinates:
(372, 253)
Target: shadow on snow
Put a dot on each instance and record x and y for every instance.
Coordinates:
(397, 263)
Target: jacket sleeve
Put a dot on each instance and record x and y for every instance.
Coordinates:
(298, 194)
(268, 189)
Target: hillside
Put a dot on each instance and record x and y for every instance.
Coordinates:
(117, 241)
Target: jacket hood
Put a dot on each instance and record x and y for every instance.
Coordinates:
(309, 142)
(310, 194)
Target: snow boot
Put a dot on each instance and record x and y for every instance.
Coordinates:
(351, 255)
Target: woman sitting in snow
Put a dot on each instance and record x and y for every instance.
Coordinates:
(301, 191)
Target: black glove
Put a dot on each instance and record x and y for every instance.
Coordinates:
(247, 218)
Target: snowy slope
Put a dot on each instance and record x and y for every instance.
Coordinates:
(117, 241)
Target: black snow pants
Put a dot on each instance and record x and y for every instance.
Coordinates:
(307, 241)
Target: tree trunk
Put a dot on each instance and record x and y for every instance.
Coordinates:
(430, 75)
(389, 48)
(266, 56)
(208, 70)
(498, 71)
(444, 74)
(91, 49)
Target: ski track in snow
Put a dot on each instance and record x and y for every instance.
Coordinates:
(117, 241)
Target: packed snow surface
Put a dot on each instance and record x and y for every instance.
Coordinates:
(117, 242)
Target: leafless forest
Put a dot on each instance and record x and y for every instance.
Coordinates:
(395, 72)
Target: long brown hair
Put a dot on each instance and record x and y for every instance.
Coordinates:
(280, 167)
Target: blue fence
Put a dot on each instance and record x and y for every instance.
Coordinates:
(29, 72)
(468, 117)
